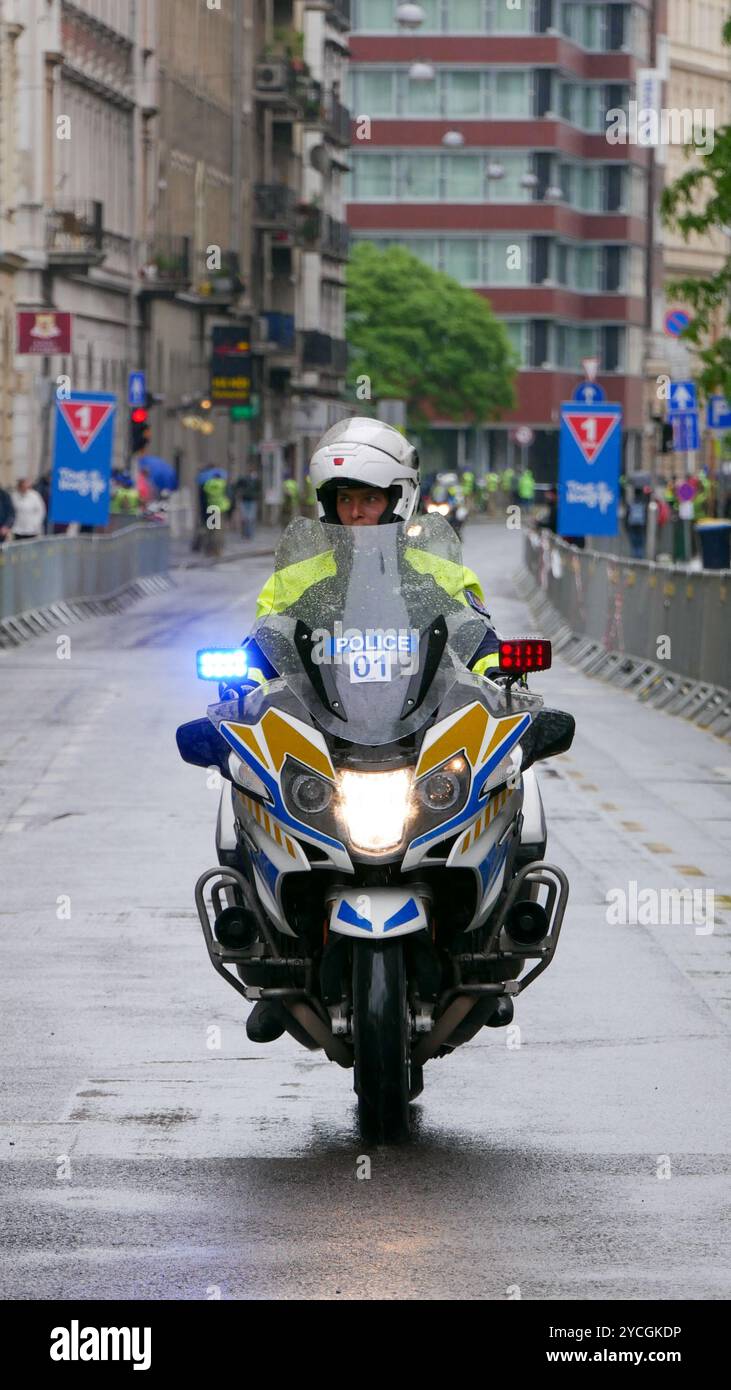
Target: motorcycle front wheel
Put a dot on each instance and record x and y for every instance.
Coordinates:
(381, 1041)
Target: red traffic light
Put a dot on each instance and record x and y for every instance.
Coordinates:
(139, 415)
(527, 654)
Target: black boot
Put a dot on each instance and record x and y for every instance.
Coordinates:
(264, 1023)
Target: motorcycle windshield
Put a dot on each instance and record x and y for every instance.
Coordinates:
(369, 625)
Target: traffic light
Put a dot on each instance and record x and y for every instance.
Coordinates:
(139, 429)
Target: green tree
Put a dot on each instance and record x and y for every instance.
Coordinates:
(697, 203)
(421, 337)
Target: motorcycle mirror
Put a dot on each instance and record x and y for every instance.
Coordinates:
(551, 732)
(202, 745)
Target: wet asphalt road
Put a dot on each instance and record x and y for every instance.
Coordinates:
(149, 1150)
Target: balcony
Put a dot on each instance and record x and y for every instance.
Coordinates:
(274, 206)
(168, 265)
(320, 350)
(222, 285)
(74, 235)
(319, 232)
(320, 107)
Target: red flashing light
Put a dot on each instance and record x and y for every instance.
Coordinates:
(525, 655)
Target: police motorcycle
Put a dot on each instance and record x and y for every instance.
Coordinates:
(447, 499)
(380, 835)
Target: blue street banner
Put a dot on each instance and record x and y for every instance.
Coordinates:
(588, 393)
(686, 436)
(588, 469)
(136, 389)
(718, 413)
(82, 458)
(682, 397)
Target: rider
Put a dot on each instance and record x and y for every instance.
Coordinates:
(365, 473)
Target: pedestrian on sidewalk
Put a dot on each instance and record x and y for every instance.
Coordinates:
(7, 516)
(635, 521)
(30, 512)
(246, 492)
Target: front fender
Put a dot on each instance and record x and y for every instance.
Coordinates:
(374, 913)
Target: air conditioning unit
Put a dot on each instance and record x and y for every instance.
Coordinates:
(271, 77)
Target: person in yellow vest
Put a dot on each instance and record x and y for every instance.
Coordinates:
(526, 489)
(217, 505)
(507, 483)
(492, 483)
(378, 485)
(291, 500)
(310, 497)
(125, 497)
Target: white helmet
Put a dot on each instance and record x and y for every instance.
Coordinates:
(361, 452)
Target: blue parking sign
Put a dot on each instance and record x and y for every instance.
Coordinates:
(718, 413)
(588, 477)
(82, 458)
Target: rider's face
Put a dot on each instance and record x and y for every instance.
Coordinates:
(361, 506)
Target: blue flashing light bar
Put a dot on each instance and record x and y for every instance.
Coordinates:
(223, 664)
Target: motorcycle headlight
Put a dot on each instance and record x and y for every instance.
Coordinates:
(310, 793)
(375, 806)
(445, 788)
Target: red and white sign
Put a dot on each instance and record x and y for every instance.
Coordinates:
(591, 431)
(43, 332)
(591, 367)
(85, 419)
(524, 436)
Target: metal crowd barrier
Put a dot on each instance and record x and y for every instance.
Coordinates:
(661, 631)
(57, 574)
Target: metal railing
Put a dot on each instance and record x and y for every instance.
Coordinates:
(659, 613)
(75, 230)
(274, 205)
(168, 262)
(58, 569)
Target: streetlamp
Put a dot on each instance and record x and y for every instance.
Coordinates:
(421, 72)
(410, 16)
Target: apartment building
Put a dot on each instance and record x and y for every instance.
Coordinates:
(180, 169)
(486, 155)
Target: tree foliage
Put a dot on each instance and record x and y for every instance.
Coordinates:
(699, 202)
(421, 337)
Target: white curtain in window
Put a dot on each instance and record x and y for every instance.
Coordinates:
(464, 93)
(374, 93)
(462, 259)
(423, 247)
(463, 177)
(465, 17)
(508, 20)
(419, 176)
(374, 14)
(420, 98)
(511, 94)
(508, 189)
(372, 175)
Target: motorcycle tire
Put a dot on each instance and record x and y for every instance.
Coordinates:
(381, 1041)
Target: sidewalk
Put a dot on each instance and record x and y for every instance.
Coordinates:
(264, 543)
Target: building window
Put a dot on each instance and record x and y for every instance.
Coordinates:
(461, 259)
(464, 178)
(374, 93)
(463, 96)
(420, 177)
(465, 16)
(518, 333)
(507, 261)
(372, 177)
(512, 93)
(511, 21)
